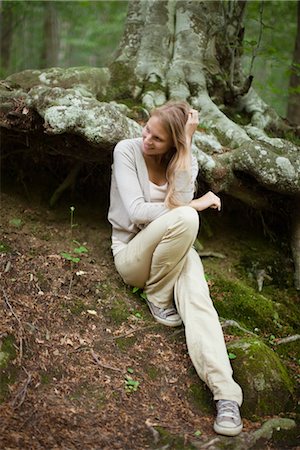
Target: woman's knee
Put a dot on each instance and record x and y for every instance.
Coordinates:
(189, 218)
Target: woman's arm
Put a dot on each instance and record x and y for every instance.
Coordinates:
(208, 200)
(129, 187)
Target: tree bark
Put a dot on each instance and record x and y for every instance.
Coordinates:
(188, 50)
(6, 28)
(51, 48)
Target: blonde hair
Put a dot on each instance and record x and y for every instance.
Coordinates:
(173, 116)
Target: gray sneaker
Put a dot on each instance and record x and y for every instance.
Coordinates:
(228, 421)
(168, 316)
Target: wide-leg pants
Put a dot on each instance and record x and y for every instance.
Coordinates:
(161, 260)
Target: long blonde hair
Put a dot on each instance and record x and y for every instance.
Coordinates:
(173, 116)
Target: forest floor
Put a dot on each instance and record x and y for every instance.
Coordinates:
(91, 369)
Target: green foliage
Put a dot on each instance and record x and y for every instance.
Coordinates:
(74, 256)
(274, 55)
(130, 384)
(87, 32)
(16, 222)
(139, 292)
(4, 248)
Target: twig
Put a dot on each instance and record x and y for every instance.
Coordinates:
(288, 339)
(210, 443)
(10, 307)
(106, 366)
(211, 254)
(134, 331)
(255, 51)
(71, 282)
(233, 323)
(20, 397)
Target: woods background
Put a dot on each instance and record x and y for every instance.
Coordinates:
(41, 34)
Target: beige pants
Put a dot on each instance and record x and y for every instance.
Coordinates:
(160, 259)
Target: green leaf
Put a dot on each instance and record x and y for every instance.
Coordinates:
(130, 370)
(135, 289)
(231, 355)
(80, 250)
(70, 257)
(15, 222)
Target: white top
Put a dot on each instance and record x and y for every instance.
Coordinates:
(158, 193)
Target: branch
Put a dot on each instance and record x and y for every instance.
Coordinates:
(288, 339)
(232, 323)
(106, 366)
(20, 397)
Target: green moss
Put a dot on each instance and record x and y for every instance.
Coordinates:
(7, 351)
(45, 378)
(235, 300)
(85, 392)
(76, 306)
(171, 441)
(201, 397)
(153, 372)
(125, 342)
(122, 83)
(8, 372)
(4, 248)
(119, 312)
(266, 384)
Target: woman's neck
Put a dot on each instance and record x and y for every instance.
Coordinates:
(157, 168)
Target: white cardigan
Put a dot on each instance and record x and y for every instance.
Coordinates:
(131, 208)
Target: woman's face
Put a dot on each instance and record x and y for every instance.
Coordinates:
(156, 140)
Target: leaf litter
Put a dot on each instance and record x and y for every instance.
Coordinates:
(71, 387)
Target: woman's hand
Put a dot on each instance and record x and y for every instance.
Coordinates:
(208, 200)
(191, 125)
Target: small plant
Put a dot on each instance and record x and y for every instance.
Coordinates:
(15, 222)
(139, 292)
(231, 356)
(74, 258)
(72, 224)
(131, 385)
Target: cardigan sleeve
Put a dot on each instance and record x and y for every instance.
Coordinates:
(129, 183)
(130, 190)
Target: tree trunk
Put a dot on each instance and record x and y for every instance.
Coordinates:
(188, 50)
(293, 110)
(51, 48)
(6, 28)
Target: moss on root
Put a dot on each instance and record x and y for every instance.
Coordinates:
(268, 388)
(8, 372)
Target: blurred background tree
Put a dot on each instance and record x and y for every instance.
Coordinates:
(270, 34)
(40, 34)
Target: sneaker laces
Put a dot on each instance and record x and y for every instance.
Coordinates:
(169, 312)
(228, 410)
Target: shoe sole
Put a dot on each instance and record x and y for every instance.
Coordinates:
(228, 431)
(167, 322)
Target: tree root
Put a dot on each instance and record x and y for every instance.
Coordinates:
(68, 182)
(295, 242)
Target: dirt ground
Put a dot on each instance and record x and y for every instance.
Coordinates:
(90, 369)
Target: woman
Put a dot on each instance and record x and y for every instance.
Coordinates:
(154, 225)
